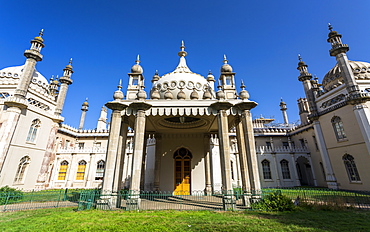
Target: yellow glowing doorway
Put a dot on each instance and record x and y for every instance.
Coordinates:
(182, 158)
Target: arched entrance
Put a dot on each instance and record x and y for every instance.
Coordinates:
(182, 158)
(304, 171)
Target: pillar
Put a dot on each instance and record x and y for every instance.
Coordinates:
(207, 165)
(158, 158)
(330, 177)
(223, 133)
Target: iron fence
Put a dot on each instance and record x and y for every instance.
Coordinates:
(195, 200)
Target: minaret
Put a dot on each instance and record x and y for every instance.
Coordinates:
(339, 50)
(65, 81)
(54, 85)
(84, 109)
(227, 80)
(283, 109)
(102, 122)
(305, 77)
(33, 55)
(136, 80)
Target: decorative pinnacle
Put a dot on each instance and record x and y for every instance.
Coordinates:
(209, 72)
(182, 53)
(330, 27)
(242, 86)
(315, 77)
(70, 61)
(52, 77)
(225, 60)
(119, 84)
(156, 72)
(219, 84)
(41, 33)
(299, 57)
(138, 59)
(86, 99)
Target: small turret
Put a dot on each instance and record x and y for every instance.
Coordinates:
(283, 109)
(337, 46)
(102, 122)
(54, 86)
(227, 80)
(65, 81)
(84, 109)
(136, 80)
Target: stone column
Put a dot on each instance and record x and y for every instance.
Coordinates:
(223, 133)
(7, 131)
(246, 119)
(277, 170)
(137, 156)
(330, 177)
(296, 177)
(92, 170)
(49, 157)
(158, 158)
(244, 172)
(143, 162)
(112, 148)
(362, 113)
(207, 165)
(117, 184)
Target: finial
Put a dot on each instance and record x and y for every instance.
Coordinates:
(299, 57)
(225, 60)
(182, 53)
(209, 72)
(156, 72)
(86, 99)
(281, 99)
(70, 61)
(138, 59)
(242, 86)
(315, 77)
(219, 84)
(330, 27)
(52, 77)
(119, 84)
(57, 77)
(41, 33)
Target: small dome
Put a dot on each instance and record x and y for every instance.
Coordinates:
(141, 95)
(334, 78)
(155, 94)
(181, 95)
(210, 77)
(226, 68)
(220, 95)
(118, 95)
(38, 39)
(85, 103)
(137, 69)
(156, 77)
(207, 94)
(194, 95)
(16, 72)
(168, 95)
(244, 94)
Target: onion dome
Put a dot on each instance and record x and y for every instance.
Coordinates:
(194, 95)
(220, 95)
(243, 93)
(136, 68)
(39, 38)
(181, 79)
(69, 65)
(334, 78)
(210, 77)
(141, 94)
(181, 95)
(155, 94)
(168, 95)
(207, 94)
(226, 67)
(155, 77)
(118, 94)
(85, 103)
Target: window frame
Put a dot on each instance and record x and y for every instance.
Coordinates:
(285, 170)
(63, 166)
(33, 131)
(351, 168)
(99, 174)
(22, 169)
(338, 128)
(81, 169)
(266, 169)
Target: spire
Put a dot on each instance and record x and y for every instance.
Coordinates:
(138, 59)
(283, 109)
(302, 67)
(182, 66)
(118, 94)
(225, 59)
(84, 109)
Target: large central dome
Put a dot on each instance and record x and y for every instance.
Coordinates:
(182, 83)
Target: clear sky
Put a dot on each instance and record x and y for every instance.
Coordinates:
(260, 38)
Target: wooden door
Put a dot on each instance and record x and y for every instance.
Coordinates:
(182, 172)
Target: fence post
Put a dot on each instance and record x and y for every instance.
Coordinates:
(65, 194)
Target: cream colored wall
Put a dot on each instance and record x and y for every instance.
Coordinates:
(172, 142)
(353, 145)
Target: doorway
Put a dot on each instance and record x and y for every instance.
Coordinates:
(182, 158)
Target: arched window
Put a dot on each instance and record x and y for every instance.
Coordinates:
(266, 169)
(338, 128)
(63, 170)
(349, 163)
(100, 170)
(22, 167)
(81, 170)
(285, 169)
(31, 137)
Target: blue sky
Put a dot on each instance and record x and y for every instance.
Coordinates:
(260, 38)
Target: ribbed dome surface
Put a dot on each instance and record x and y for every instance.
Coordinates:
(16, 72)
(334, 78)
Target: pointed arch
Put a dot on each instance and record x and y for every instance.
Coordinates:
(63, 170)
(285, 169)
(80, 175)
(100, 166)
(22, 168)
(266, 169)
(349, 163)
(32, 132)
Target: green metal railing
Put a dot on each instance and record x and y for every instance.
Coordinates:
(196, 200)
(17, 200)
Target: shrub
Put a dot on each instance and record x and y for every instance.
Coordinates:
(10, 195)
(274, 202)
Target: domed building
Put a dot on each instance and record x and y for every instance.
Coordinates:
(185, 135)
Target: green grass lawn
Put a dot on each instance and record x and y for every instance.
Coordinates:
(67, 219)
